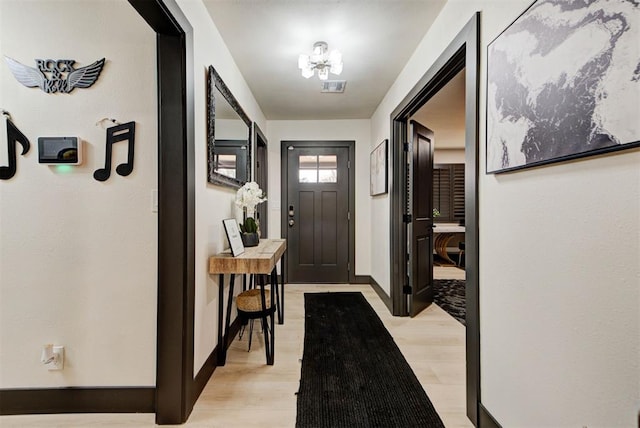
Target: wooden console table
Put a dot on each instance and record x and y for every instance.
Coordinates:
(259, 260)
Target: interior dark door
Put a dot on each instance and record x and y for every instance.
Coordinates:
(262, 178)
(420, 229)
(317, 210)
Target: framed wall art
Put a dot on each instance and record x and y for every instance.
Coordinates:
(563, 82)
(378, 170)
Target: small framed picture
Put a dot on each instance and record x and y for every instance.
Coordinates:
(378, 170)
(233, 236)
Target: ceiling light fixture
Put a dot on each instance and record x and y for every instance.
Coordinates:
(320, 60)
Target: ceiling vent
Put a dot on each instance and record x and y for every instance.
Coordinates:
(333, 86)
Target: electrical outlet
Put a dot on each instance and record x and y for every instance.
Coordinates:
(58, 359)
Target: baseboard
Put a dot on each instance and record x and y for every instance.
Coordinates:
(77, 400)
(361, 279)
(209, 366)
(383, 296)
(485, 419)
(99, 400)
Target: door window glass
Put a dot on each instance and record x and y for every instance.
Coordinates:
(308, 176)
(308, 171)
(328, 169)
(318, 169)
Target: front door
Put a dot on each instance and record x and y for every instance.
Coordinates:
(316, 213)
(420, 228)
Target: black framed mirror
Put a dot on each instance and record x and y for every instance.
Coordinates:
(228, 135)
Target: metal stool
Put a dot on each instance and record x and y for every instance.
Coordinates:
(249, 302)
(259, 303)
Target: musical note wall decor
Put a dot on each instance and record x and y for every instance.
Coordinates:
(115, 134)
(14, 137)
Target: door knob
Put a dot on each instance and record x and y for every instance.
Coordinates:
(291, 222)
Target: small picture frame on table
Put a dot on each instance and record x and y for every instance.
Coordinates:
(233, 236)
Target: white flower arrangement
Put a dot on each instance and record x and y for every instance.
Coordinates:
(248, 196)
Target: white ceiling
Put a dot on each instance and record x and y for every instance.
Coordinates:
(376, 38)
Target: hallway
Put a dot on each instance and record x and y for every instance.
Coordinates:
(246, 392)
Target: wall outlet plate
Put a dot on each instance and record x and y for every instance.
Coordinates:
(58, 359)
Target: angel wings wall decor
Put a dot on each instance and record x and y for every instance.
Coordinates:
(55, 75)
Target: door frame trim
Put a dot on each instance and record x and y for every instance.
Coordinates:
(174, 391)
(351, 145)
(258, 136)
(462, 52)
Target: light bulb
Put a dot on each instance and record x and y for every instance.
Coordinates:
(335, 57)
(307, 72)
(323, 73)
(336, 68)
(303, 61)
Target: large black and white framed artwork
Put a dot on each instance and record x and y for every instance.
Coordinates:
(563, 82)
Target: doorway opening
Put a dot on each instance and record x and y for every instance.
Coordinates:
(461, 54)
(444, 114)
(318, 184)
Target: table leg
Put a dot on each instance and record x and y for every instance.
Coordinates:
(268, 332)
(223, 336)
(272, 348)
(221, 355)
(281, 293)
(273, 278)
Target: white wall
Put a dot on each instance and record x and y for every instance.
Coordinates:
(213, 203)
(356, 130)
(448, 156)
(559, 272)
(77, 226)
(78, 256)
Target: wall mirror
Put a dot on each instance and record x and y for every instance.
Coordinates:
(228, 135)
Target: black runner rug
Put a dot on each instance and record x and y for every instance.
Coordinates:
(353, 374)
(450, 296)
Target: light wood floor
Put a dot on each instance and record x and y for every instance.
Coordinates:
(247, 393)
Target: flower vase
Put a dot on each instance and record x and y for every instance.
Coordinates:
(250, 239)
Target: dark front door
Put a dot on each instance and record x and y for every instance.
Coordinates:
(317, 213)
(420, 229)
